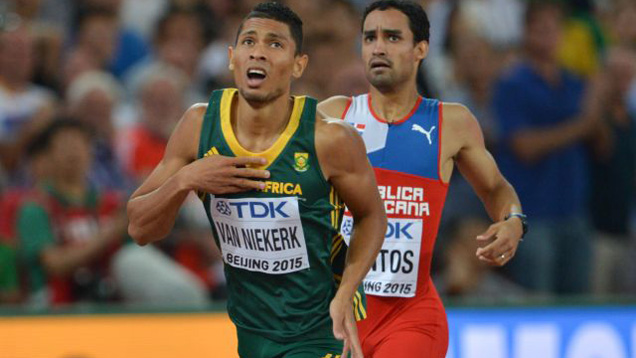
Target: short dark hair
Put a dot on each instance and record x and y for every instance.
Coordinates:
(42, 141)
(418, 20)
(281, 13)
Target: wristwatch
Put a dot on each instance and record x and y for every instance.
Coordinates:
(524, 222)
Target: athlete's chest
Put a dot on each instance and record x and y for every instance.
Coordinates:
(411, 146)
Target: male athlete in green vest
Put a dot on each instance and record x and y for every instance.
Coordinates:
(274, 178)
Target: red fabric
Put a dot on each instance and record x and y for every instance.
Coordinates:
(435, 195)
(189, 256)
(144, 151)
(74, 225)
(417, 327)
(10, 201)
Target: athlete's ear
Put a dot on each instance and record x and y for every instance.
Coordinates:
(421, 50)
(300, 63)
(230, 56)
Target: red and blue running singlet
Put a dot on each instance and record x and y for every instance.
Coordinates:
(405, 156)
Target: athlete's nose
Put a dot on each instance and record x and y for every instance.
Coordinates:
(379, 48)
(257, 53)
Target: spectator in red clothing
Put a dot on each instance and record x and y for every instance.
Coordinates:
(68, 230)
(160, 100)
(71, 237)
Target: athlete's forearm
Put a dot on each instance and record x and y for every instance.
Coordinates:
(152, 215)
(501, 200)
(364, 246)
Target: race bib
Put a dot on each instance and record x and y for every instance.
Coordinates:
(394, 273)
(261, 235)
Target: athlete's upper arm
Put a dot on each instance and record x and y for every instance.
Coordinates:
(181, 149)
(334, 107)
(343, 159)
(473, 159)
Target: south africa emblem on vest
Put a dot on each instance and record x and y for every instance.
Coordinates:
(301, 162)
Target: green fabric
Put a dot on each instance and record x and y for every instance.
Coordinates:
(296, 304)
(255, 346)
(89, 201)
(8, 269)
(35, 234)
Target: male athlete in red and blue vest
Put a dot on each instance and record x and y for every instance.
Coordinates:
(413, 144)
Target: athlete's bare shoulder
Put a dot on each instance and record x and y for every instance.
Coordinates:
(333, 129)
(184, 141)
(459, 126)
(336, 144)
(334, 106)
(196, 111)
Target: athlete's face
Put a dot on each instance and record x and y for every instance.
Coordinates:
(264, 60)
(390, 56)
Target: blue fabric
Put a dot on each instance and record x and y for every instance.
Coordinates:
(131, 50)
(556, 185)
(409, 151)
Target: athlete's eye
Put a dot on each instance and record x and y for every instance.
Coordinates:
(394, 38)
(247, 41)
(369, 38)
(276, 44)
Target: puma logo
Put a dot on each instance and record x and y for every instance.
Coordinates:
(418, 128)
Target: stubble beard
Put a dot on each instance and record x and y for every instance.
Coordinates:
(382, 82)
(258, 100)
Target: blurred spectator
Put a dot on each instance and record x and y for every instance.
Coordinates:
(68, 231)
(179, 40)
(71, 235)
(340, 35)
(613, 177)
(464, 275)
(48, 39)
(500, 22)
(92, 99)
(114, 48)
(583, 40)
(476, 66)
(497, 22)
(77, 62)
(622, 23)
(161, 102)
(24, 107)
(141, 16)
(544, 120)
(213, 67)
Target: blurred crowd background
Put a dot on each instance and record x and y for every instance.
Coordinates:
(90, 91)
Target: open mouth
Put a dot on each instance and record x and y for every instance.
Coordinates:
(379, 64)
(255, 76)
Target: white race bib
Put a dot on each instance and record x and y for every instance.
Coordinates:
(261, 234)
(394, 273)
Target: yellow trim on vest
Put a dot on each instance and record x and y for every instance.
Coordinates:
(363, 312)
(272, 152)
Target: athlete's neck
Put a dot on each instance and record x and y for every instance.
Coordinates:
(257, 127)
(394, 105)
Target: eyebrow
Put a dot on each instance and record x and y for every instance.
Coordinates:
(384, 31)
(269, 35)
